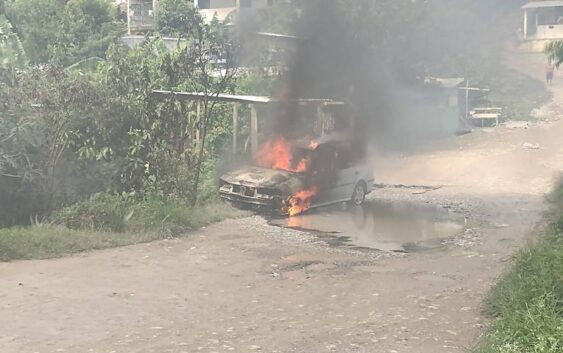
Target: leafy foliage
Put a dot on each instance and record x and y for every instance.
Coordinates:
(39, 112)
(123, 213)
(87, 28)
(63, 32)
(176, 18)
(12, 53)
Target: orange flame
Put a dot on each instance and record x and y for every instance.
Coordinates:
(301, 202)
(277, 154)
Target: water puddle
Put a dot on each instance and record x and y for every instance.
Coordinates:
(387, 226)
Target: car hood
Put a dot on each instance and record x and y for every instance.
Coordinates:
(265, 178)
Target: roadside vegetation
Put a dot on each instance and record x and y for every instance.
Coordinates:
(527, 303)
(106, 221)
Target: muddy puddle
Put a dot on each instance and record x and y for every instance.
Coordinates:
(387, 226)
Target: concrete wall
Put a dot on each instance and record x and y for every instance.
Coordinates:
(534, 46)
(548, 32)
(217, 4)
(171, 43)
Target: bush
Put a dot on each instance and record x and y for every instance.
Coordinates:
(102, 212)
(106, 212)
(106, 221)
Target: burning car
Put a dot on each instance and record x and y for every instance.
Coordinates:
(291, 178)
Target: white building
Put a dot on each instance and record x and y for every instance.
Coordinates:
(543, 23)
(140, 12)
(222, 9)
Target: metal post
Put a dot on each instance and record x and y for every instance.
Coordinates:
(128, 17)
(467, 100)
(253, 130)
(197, 120)
(235, 127)
(525, 31)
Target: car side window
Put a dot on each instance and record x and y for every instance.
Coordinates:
(342, 158)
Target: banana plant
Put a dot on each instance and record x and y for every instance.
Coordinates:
(12, 53)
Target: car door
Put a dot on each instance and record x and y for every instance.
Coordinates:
(348, 176)
(345, 174)
(324, 174)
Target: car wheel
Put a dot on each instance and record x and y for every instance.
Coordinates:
(359, 194)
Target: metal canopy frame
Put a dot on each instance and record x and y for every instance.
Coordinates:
(251, 101)
(542, 4)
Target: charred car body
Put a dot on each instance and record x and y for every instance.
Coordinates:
(319, 173)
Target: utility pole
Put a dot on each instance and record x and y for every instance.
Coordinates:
(467, 99)
(128, 17)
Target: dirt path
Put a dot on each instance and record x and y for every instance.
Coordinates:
(244, 286)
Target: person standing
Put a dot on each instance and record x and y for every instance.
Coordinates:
(549, 72)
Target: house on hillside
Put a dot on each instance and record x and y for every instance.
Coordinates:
(139, 14)
(543, 23)
(222, 9)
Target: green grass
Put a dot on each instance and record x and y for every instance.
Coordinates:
(45, 241)
(114, 213)
(107, 221)
(527, 302)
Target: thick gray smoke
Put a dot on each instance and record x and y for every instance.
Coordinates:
(379, 70)
(333, 63)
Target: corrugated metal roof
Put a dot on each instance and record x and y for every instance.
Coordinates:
(540, 4)
(444, 82)
(212, 97)
(279, 36)
(239, 98)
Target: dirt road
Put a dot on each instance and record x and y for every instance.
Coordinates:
(246, 286)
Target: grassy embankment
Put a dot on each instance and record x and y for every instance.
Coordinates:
(528, 300)
(517, 93)
(104, 222)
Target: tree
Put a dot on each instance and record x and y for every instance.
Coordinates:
(37, 23)
(212, 54)
(151, 138)
(38, 114)
(86, 30)
(64, 31)
(12, 53)
(175, 18)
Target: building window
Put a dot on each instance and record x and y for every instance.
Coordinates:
(246, 4)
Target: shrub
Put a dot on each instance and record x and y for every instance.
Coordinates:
(101, 212)
(106, 221)
(106, 212)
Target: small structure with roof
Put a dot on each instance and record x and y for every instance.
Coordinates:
(323, 121)
(543, 23)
